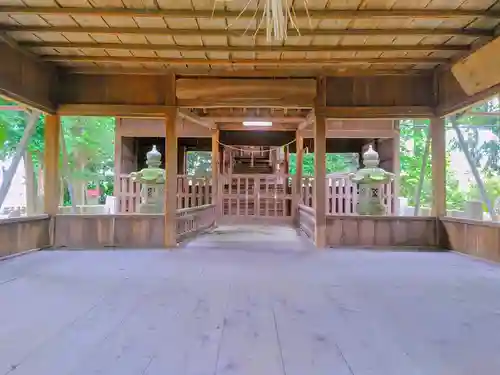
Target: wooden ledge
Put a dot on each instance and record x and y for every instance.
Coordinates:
(23, 219)
(483, 223)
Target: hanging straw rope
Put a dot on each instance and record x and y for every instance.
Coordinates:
(276, 15)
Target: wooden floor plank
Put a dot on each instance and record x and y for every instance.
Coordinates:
(250, 343)
(241, 310)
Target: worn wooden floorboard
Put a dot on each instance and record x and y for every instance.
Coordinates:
(244, 309)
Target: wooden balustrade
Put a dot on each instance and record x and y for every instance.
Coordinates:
(257, 195)
(195, 220)
(263, 196)
(191, 192)
(342, 195)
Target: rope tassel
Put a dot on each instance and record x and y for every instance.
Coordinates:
(276, 14)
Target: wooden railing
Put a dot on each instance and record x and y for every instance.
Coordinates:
(194, 220)
(256, 196)
(191, 192)
(342, 195)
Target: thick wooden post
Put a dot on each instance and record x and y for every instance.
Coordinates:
(320, 165)
(170, 165)
(396, 166)
(51, 178)
(438, 149)
(215, 170)
(299, 142)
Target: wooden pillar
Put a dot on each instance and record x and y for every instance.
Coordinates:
(170, 165)
(215, 169)
(438, 149)
(118, 158)
(51, 185)
(396, 166)
(299, 142)
(320, 165)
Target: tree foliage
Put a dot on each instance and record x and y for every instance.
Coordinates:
(334, 163)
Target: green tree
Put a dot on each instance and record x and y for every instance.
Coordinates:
(413, 138)
(334, 163)
(199, 163)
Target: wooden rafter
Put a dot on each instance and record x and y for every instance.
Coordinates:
(237, 32)
(222, 48)
(301, 63)
(299, 13)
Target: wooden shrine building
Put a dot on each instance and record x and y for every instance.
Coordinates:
(192, 72)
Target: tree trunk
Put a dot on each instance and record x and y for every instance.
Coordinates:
(30, 184)
(21, 147)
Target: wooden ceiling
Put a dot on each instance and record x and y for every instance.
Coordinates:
(189, 37)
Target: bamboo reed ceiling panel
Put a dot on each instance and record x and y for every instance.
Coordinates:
(183, 35)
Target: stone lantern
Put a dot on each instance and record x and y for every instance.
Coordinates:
(152, 180)
(370, 180)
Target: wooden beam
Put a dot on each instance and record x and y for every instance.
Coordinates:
(284, 71)
(51, 180)
(480, 70)
(451, 96)
(112, 110)
(472, 32)
(206, 92)
(170, 164)
(320, 165)
(296, 63)
(253, 48)
(309, 120)
(240, 127)
(299, 13)
(438, 152)
(274, 119)
(190, 116)
(483, 114)
(375, 112)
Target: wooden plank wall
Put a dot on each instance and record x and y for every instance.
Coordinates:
(100, 231)
(307, 223)
(382, 231)
(383, 91)
(22, 234)
(127, 231)
(477, 238)
(24, 79)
